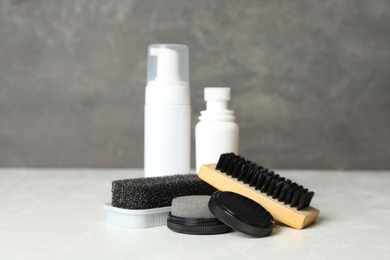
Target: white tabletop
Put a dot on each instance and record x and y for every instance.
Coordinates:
(58, 214)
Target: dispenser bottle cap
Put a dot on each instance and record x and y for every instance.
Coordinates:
(167, 79)
(168, 64)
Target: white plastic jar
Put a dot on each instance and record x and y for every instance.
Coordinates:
(217, 131)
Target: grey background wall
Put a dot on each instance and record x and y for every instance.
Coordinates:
(310, 79)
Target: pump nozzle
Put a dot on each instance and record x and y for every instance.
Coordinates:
(168, 63)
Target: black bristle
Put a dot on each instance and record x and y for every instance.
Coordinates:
(267, 181)
(278, 188)
(254, 177)
(264, 180)
(271, 187)
(155, 192)
(261, 179)
(297, 196)
(220, 161)
(290, 193)
(231, 164)
(237, 171)
(267, 187)
(251, 171)
(237, 166)
(283, 191)
(241, 175)
(244, 168)
(305, 200)
(248, 171)
(226, 161)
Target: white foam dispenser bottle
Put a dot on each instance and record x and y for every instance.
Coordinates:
(216, 132)
(167, 111)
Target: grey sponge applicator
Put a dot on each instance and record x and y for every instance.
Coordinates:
(191, 215)
(191, 207)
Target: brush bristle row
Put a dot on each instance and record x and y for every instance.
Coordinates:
(265, 180)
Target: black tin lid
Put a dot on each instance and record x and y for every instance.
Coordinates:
(197, 226)
(241, 213)
(191, 215)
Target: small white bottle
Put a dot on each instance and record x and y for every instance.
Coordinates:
(167, 111)
(217, 132)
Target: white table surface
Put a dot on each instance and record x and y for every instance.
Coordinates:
(58, 214)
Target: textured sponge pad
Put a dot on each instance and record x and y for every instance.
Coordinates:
(155, 192)
(195, 206)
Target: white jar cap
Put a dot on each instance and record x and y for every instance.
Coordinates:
(216, 98)
(217, 94)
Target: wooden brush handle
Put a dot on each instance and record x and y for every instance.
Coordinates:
(283, 213)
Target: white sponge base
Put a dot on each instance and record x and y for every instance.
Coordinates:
(136, 218)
